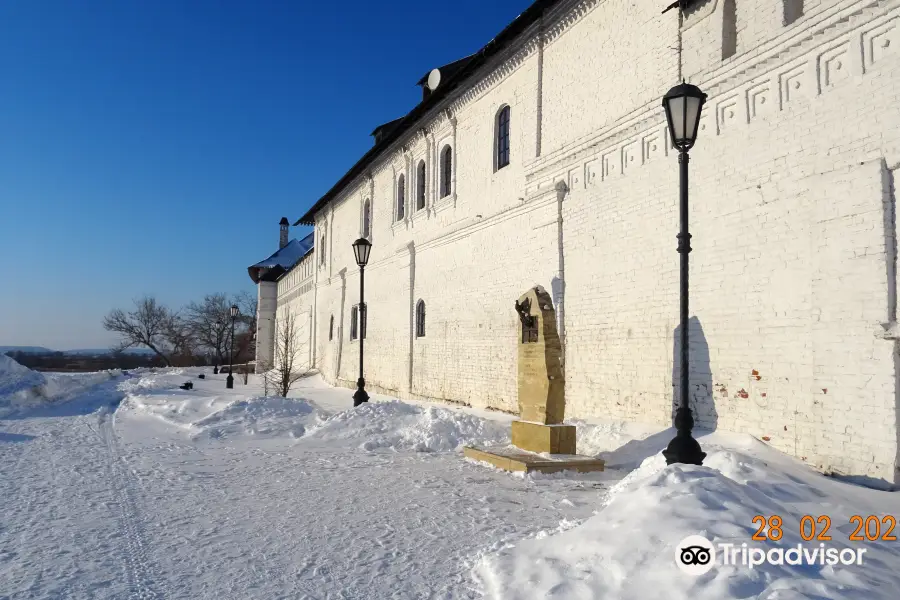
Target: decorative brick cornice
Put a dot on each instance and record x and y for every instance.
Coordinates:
(847, 42)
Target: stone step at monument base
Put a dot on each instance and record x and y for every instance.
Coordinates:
(510, 458)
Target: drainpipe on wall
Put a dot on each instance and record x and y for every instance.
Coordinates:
(561, 190)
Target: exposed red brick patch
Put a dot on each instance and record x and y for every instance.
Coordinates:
(766, 438)
(824, 390)
(756, 374)
(743, 393)
(763, 394)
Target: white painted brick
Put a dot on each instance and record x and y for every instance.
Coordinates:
(789, 273)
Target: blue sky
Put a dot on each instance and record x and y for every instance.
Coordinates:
(152, 147)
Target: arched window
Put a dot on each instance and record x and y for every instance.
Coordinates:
(401, 197)
(446, 171)
(331, 329)
(502, 150)
(367, 219)
(420, 186)
(420, 319)
(322, 251)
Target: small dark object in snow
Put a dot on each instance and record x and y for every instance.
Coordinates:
(201, 376)
(187, 386)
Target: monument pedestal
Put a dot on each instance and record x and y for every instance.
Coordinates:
(537, 437)
(509, 458)
(541, 442)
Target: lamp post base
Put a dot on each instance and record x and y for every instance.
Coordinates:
(684, 449)
(360, 397)
(229, 381)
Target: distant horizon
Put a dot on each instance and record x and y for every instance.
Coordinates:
(4, 348)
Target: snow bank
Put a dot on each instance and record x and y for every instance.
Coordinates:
(259, 416)
(21, 388)
(400, 426)
(627, 550)
(15, 378)
(209, 411)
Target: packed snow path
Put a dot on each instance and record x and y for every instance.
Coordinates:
(135, 489)
(145, 501)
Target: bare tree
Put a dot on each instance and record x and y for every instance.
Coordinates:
(247, 302)
(244, 372)
(146, 326)
(210, 322)
(181, 339)
(264, 369)
(288, 367)
(245, 340)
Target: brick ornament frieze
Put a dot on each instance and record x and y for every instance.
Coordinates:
(839, 51)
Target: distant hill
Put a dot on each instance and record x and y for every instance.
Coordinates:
(26, 349)
(99, 351)
(79, 352)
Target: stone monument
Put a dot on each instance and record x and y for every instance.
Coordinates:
(540, 439)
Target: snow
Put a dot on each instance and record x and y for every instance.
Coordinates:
(15, 378)
(626, 550)
(21, 388)
(124, 486)
(285, 257)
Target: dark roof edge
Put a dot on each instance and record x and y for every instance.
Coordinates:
(508, 35)
(449, 68)
(387, 125)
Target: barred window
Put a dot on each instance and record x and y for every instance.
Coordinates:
(446, 171)
(420, 186)
(367, 219)
(401, 198)
(420, 319)
(502, 137)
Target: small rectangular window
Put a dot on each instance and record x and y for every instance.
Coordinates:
(420, 186)
(793, 10)
(503, 138)
(447, 171)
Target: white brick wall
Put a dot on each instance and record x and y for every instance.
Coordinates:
(792, 273)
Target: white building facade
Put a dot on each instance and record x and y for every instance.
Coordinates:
(793, 295)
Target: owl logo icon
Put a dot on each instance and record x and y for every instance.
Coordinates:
(695, 555)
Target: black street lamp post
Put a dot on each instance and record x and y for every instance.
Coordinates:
(683, 104)
(229, 381)
(361, 249)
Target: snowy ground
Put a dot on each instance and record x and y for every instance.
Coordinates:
(123, 486)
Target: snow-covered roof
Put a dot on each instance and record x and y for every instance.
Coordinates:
(282, 261)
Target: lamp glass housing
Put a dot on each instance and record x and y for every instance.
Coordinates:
(361, 249)
(683, 105)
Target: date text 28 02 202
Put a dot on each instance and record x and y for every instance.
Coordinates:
(869, 528)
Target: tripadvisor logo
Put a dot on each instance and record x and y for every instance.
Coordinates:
(696, 555)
